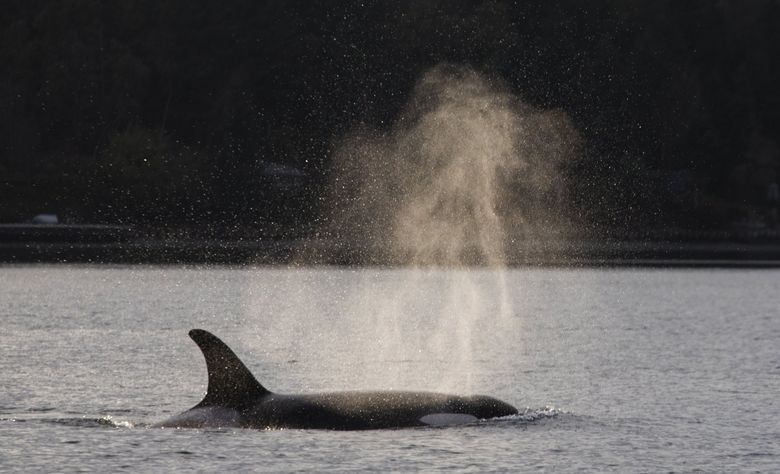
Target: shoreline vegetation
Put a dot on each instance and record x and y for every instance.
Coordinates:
(633, 115)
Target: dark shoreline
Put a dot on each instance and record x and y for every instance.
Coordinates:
(318, 252)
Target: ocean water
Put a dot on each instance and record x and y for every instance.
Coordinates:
(614, 370)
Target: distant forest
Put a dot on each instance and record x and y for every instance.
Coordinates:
(195, 114)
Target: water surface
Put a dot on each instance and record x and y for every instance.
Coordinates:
(614, 370)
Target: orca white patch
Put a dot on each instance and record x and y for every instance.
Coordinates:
(448, 419)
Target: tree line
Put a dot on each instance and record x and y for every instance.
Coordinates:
(168, 112)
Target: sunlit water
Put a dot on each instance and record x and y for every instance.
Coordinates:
(620, 370)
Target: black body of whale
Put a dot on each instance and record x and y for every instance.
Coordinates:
(236, 398)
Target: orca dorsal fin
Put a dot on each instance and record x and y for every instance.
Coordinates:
(230, 382)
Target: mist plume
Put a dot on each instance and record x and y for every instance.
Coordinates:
(466, 167)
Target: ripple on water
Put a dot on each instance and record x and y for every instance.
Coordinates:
(88, 422)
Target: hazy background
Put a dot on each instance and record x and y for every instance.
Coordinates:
(229, 118)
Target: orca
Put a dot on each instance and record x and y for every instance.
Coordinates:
(234, 398)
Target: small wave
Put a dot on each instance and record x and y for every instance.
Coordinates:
(88, 422)
(109, 421)
(531, 415)
(536, 414)
(40, 409)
